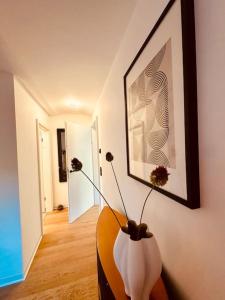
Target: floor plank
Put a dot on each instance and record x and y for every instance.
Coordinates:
(64, 267)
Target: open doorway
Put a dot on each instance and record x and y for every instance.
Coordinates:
(78, 141)
(45, 171)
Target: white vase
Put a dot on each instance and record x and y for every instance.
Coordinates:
(139, 264)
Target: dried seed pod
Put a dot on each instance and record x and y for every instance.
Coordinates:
(76, 164)
(109, 156)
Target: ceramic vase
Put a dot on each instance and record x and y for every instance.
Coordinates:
(139, 264)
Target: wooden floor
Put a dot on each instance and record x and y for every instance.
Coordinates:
(64, 267)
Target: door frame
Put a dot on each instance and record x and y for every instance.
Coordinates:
(94, 127)
(40, 126)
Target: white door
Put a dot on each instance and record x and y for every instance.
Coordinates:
(80, 190)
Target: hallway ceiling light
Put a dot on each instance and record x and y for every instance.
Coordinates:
(73, 103)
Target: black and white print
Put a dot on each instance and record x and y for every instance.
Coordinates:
(151, 112)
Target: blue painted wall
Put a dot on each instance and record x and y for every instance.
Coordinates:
(11, 268)
(10, 242)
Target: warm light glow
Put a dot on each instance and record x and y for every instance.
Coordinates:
(73, 103)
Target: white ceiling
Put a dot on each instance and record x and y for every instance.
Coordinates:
(62, 49)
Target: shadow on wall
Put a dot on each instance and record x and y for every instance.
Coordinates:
(173, 291)
(11, 269)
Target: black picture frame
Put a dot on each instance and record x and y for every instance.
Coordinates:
(190, 103)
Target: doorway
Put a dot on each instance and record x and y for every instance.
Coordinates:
(81, 142)
(45, 170)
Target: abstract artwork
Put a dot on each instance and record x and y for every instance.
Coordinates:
(150, 110)
(161, 105)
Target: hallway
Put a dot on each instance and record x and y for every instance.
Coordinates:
(64, 267)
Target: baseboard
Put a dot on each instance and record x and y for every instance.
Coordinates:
(11, 280)
(32, 258)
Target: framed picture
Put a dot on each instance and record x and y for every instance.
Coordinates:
(161, 105)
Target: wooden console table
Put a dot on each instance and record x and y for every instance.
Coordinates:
(111, 286)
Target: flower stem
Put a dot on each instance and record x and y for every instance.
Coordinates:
(119, 191)
(145, 204)
(102, 197)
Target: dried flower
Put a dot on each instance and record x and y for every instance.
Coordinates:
(136, 232)
(159, 176)
(76, 164)
(109, 156)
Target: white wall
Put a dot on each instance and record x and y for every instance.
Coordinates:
(10, 230)
(60, 189)
(27, 111)
(192, 242)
